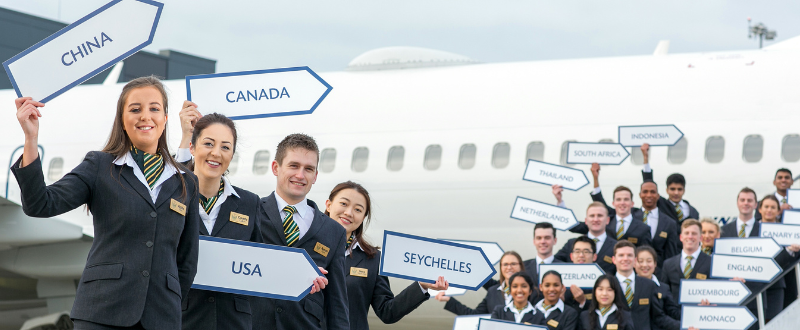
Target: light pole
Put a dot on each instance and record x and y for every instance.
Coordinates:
(760, 31)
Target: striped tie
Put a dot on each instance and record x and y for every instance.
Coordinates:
(619, 230)
(741, 231)
(646, 213)
(289, 226)
(208, 203)
(152, 165)
(605, 310)
(628, 292)
(350, 241)
(679, 211)
(547, 307)
(783, 201)
(596, 240)
(708, 250)
(688, 269)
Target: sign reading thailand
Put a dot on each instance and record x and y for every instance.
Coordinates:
(721, 292)
(791, 217)
(258, 94)
(763, 247)
(424, 259)
(601, 153)
(83, 49)
(582, 275)
(654, 135)
(468, 322)
(247, 268)
(534, 211)
(494, 324)
(783, 234)
(716, 318)
(749, 268)
(551, 174)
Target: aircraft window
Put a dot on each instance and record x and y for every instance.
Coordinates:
(466, 156)
(715, 149)
(753, 148)
(433, 157)
(500, 155)
(327, 160)
(261, 162)
(790, 150)
(535, 151)
(677, 154)
(56, 169)
(360, 157)
(395, 160)
(234, 165)
(564, 152)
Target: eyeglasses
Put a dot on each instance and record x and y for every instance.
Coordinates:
(584, 252)
(510, 264)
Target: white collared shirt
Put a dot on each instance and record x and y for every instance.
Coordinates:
(303, 217)
(210, 219)
(781, 198)
(519, 314)
(655, 279)
(652, 221)
(603, 318)
(694, 258)
(748, 226)
(540, 307)
(507, 296)
(183, 155)
(549, 260)
(622, 279)
(626, 223)
(169, 171)
(600, 239)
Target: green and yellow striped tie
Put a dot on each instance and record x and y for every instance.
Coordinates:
(605, 310)
(596, 240)
(741, 231)
(289, 226)
(687, 271)
(619, 230)
(708, 250)
(646, 213)
(208, 203)
(679, 211)
(628, 292)
(151, 165)
(547, 307)
(783, 201)
(350, 241)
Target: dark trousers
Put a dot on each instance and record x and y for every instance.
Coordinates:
(86, 325)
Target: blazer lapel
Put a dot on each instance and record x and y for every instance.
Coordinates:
(358, 257)
(756, 231)
(702, 260)
(611, 228)
(637, 291)
(168, 189)
(225, 209)
(270, 207)
(316, 223)
(133, 182)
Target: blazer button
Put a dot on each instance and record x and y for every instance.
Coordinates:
(211, 299)
(149, 244)
(279, 310)
(145, 273)
(153, 214)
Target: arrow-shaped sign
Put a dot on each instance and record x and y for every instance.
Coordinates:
(247, 268)
(783, 234)
(258, 94)
(722, 292)
(654, 135)
(601, 153)
(763, 247)
(791, 217)
(84, 48)
(749, 268)
(582, 275)
(493, 324)
(716, 318)
(492, 250)
(424, 259)
(551, 174)
(534, 211)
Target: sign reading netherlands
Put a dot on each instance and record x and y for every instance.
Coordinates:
(654, 135)
(791, 217)
(601, 153)
(783, 234)
(763, 247)
(582, 275)
(749, 268)
(721, 292)
(258, 94)
(534, 211)
(83, 49)
(424, 259)
(468, 322)
(551, 174)
(717, 318)
(494, 324)
(246, 268)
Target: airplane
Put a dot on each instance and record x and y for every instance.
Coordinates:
(441, 142)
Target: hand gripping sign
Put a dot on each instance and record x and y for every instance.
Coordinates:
(601, 153)
(654, 135)
(534, 211)
(84, 48)
(717, 318)
(721, 292)
(551, 174)
(424, 259)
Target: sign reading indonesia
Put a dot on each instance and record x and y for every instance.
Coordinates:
(654, 135)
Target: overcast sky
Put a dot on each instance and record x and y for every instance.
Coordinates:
(327, 35)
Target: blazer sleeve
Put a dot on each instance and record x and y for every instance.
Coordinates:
(497, 312)
(336, 302)
(189, 244)
(490, 283)
(658, 316)
(581, 228)
(647, 176)
(390, 308)
(570, 319)
(671, 306)
(672, 245)
(66, 194)
(456, 307)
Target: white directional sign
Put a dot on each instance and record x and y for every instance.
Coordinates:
(655, 135)
(534, 211)
(716, 318)
(551, 174)
(468, 322)
(791, 217)
(601, 153)
(424, 259)
(721, 292)
(749, 268)
(258, 94)
(763, 247)
(84, 48)
(450, 292)
(247, 268)
(793, 197)
(783, 234)
(582, 275)
(493, 324)
(492, 250)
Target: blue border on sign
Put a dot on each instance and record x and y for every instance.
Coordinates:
(619, 135)
(683, 309)
(527, 199)
(761, 229)
(514, 323)
(459, 240)
(479, 316)
(789, 210)
(72, 26)
(247, 73)
(628, 154)
(263, 246)
(420, 238)
(566, 265)
(749, 280)
(720, 281)
(754, 238)
(567, 167)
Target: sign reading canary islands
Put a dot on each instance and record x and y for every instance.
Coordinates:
(654, 135)
(424, 259)
(83, 49)
(764, 247)
(717, 318)
(258, 94)
(749, 268)
(239, 267)
(582, 275)
(601, 153)
(551, 174)
(783, 234)
(722, 292)
(493, 324)
(534, 211)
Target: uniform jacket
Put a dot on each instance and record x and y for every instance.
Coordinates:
(665, 206)
(612, 319)
(673, 273)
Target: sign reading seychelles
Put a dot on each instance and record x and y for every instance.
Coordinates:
(654, 135)
(601, 153)
(425, 259)
(550, 174)
(534, 211)
(84, 48)
(258, 94)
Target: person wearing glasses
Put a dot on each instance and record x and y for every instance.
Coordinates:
(583, 252)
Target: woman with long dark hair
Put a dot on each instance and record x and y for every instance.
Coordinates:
(607, 310)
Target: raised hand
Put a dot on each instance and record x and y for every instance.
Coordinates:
(189, 116)
(645, 152)
(441, 297)
(440, 285)
(557, 189)
(596, 174)
(28, 116)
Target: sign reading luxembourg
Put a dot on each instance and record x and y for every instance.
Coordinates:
(534, 211)
(551, 174)
(783, 234)
(239, 267)
(723, 292)
(424, 259)
(748, 268)
(764, 247)
(717, 318)
(654, 135)
(582, 275)
(493, 324)
(601, 153)
(258, 94)
(84, 48)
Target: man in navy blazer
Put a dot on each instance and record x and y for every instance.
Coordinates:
(677, 267)
(596, 222)
(663, 228)
(676, 187)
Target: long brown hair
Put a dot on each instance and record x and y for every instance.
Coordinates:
(368, 249)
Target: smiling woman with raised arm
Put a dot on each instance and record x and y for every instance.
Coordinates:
(144, 255)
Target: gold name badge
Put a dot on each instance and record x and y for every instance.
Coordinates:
(608, 259)
(360, 272)
(644, 301)
(633, 240)
(588, 296)
(553, 323)
(701, 276)
(240, 218)
(663, 234)
(611, 327)
(177, 207)
(321, 249)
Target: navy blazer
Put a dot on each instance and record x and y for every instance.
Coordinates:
(730, 230)
(502, 313)
(665, 206)
(613, 318)
(219, 310)
(666, 247)
(670, 305)
(673, 273)
(374, 290)
(144, 255)
(315, 311)
(638, 233)
(604, 254)
(566, 320)
(646, 309)
(494, 298)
